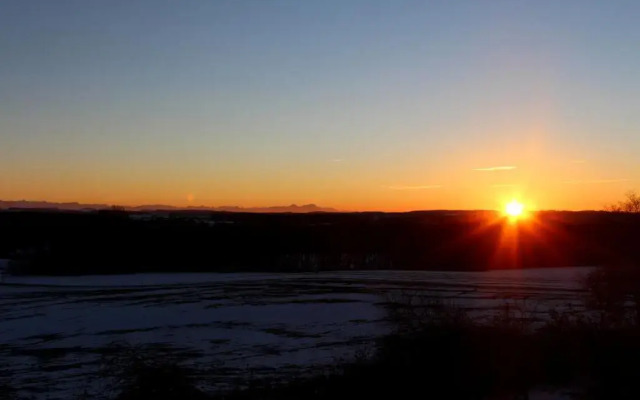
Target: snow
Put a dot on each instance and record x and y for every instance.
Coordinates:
(265, 322)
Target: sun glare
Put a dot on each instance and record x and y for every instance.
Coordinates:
(514, 209)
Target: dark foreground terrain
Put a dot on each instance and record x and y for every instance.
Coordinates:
(435, 349)
(234, 327)
(115, 241)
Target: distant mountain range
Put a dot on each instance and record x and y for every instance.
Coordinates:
(293, 208)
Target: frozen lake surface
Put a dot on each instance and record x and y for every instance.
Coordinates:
(55, 329)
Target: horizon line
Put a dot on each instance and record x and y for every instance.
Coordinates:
(78, 206)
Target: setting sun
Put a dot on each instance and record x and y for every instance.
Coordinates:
(514, 209)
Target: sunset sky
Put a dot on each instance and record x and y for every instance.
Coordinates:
(357, 105)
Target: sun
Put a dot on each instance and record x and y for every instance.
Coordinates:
(514, 209)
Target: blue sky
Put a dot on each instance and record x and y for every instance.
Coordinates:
(352, 104)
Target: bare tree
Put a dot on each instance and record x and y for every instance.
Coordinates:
(630, 204)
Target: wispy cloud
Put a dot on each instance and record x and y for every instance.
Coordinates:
(419, 187)
(336, 160)
(596, 181)
(498, 168)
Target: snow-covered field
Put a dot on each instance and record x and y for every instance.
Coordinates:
(55, 329)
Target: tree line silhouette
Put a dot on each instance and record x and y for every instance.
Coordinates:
(116, 241)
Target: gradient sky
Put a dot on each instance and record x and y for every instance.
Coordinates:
(358, 104)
